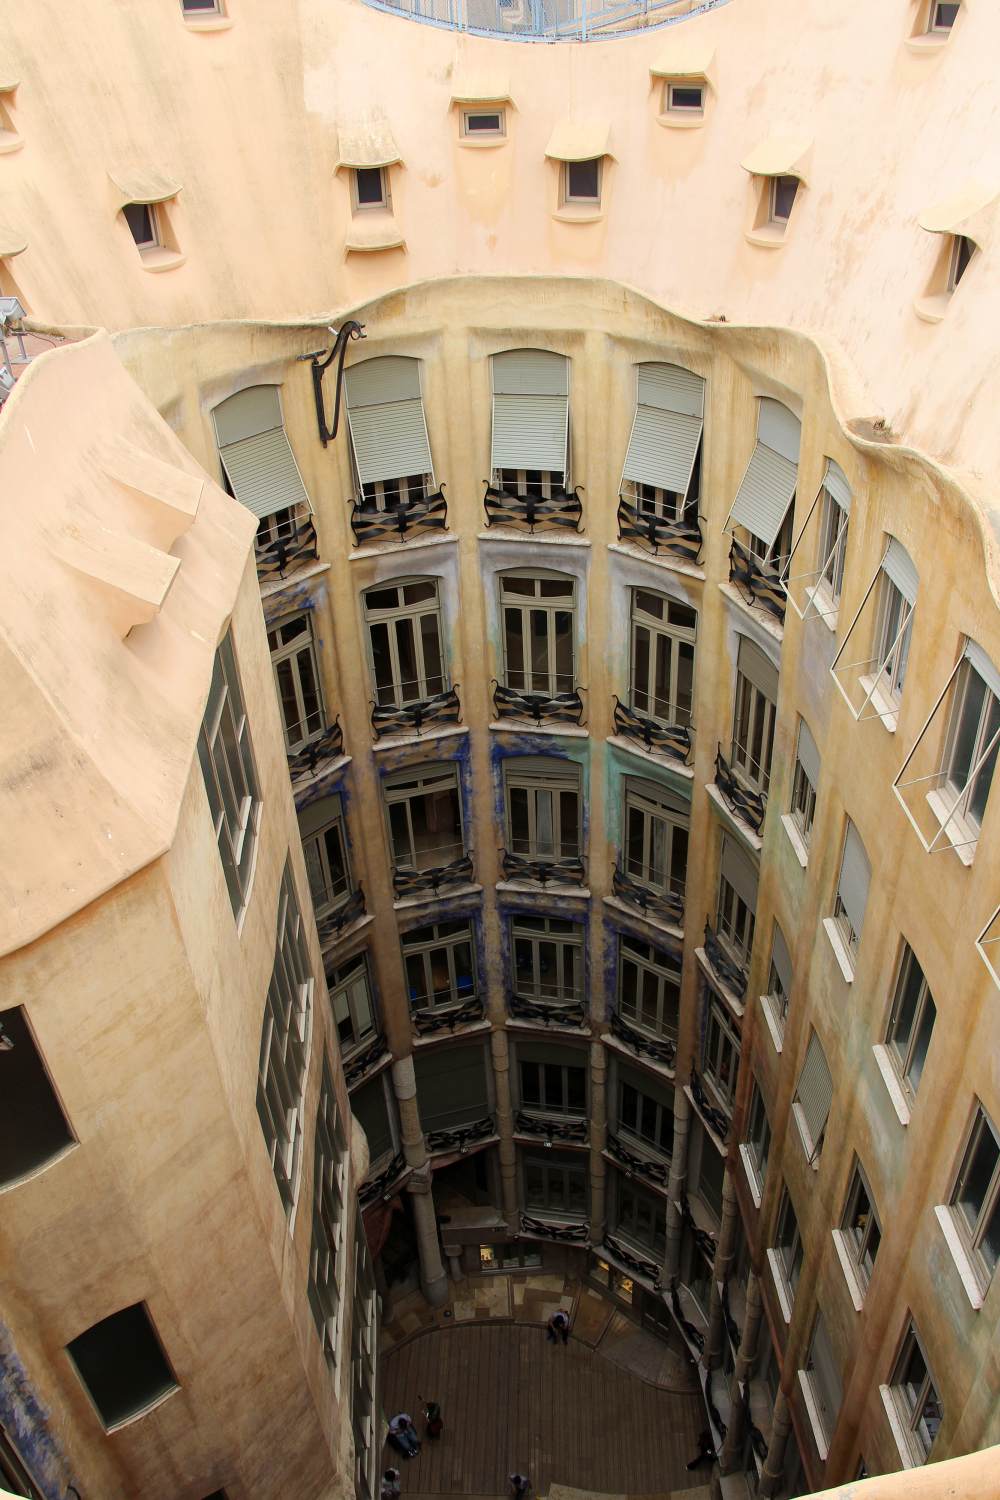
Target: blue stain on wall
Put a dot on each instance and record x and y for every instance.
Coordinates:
(514, 746)
(27, 1422)
(292, 600)
(621, 765)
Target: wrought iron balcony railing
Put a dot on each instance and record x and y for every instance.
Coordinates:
(636, 1263)
(442, 708)
(749, 807)
(664, 1051)
(332, 925)
(757, 579)
(550, 1128)
(287, 552)
(714, 1414)
(568, 1234)
(382, 1185)
(691, 1333)
(357, 1066)
(732, 974)
(428, 1021)
(327, 746)
(461, 1137)
(562, 508)
(542, 708)
(682, 537)
(653, 1171)
(673, 740)
(667, 906)
(554, 1013)
(568, 870)
(717, 1119)
(424, 882)
(399, 524)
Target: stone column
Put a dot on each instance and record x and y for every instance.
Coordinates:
(732, 1448)
(598, 1141)
(507, 1151)
(774, 1464)
(433, 1277)
(720, 1270)
(676, 1185)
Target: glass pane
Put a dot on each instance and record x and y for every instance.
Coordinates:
(923, 1040)
(967, 727)
(514, 642)
(629, 988)
(577, 1090)
(544, 845)
(640, 670)
(548, 970)
(662, 680)
(431, 646)
(553, 1075)
(519, 826)
(409, 686)
(539, 647)
(531, 1083)
(416, 980)
(381, 662)
(984, 776)
(569, 807)
(564, 652)
(977, 1174)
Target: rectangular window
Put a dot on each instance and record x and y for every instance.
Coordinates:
(722, 1053)
(484, 123)
(284, 1043)
(404, 642)
(649, 988)
(686, 98)
(753, 719)
(661, 477)
(453, 1086)
(328, 865)
(227, 764)
(539, 484)
(832, 546)
(13, 1474)
(543, 807)
(823, 1381)
(326, 1254)
(641, 1219)
(371, 187)
(296, 676)
(656, 837)
(425, 817)
(529, 445)
(737, 902)
(911, 1022)
(141, 220)
(916, 1400)
(538, 632)
(975, 1200)
(440, 965)
(860, 1226)
(662, 659)
(121, 1364)
(758, 1136)
(582, 181)
(781, 197)
(554, 1088)
(548, 959)
(364, 1357)
(350, 990)
(779, 979)
(199, 7)
(804, 783)
(788, 1244)
(645, 1115)
(33, 1128)
(852, 889)
(813, 1097)
(962, 251)
(556, 1184)
(973, 739)
(942, 15)
(391, 450)
(894, 622)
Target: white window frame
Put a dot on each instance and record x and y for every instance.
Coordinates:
(934, 26)
(812, 1142)
(652, 969)
(155, 242)
(777, 997)
(555, 681)
(726, 1042)
(562, 1105)
(803, 804)
(326, 895)
(543, 791)
(291, 660)
(883, 672)
(857, 1239)
(541, 483)
(284, 1046)
(480, 134)
(532, 932)
(915, 1447)
(973, 1234)
(842, 920)
(433, 949)
(673, 639)
(326, 1252)
(757, 1140)
(788, 1249)
(199, 8)
(902, 1058)
(686, 111)
(343, 979)
(662, 833)
(384, 203)
(588, 200)
(364, 1362)
(963, 250)
(760, 714)
(397, 692)
(381, 495)
(402, 789)
(822, 584)
(736, 922)
(774, 216)
(817, 1377)
(233, 791)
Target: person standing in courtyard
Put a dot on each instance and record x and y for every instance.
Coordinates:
(558, 1327)
(390, 1485)
(434, 1420)
(520, 1484)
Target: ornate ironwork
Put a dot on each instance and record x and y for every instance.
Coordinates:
(568, 870)
(674, 740)
(379, 1186)
(562, 508)
(429, 513)
(558, 1013)
(578, 1234)
(330, 744)
(287, 552)
(420, 882)
(757, 579)
(691, 1333)
(704, 1241)
(653, 1171)
(442, 708)
(656, 533)
(549, 1129)
(347, 331)
(635, 1263)
(427, 1022)
(333, 924)
(357, 1066)
(732, 1327)
(732, 976)
(715, 1117)
(714, 1414)
(664, 1052)
(542, 708)
(749, 807)
(462, 1136)
(666, 905)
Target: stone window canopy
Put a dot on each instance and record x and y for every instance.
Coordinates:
(480, 88)
(579, 140)
(684, 56)
(12, 241)
(139, 184)
(780, 156)
(370, 144)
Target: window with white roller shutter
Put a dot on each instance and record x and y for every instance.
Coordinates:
(764, 502)
(661, 476)
(872, 683)
(257, 460)
(389, 442)
(529, 449)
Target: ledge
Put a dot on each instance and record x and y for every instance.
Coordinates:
(736, 1005)
(528, 888)
(542, 538)
(659, 560)
(927, 44)
(424, 737)
(469, 143)
(774, 1028)
(795, 838)
(662, 762)
(849, 1269)
(960, 1255)
(750, 1170)
(633, 1055)
(760, 617)
(766, 237)
(520, 726)
(932, 309)
(160, 259)
(808, 1144)
(812, 1411)
(324, 769)
(374, 236)
(636, 915)
(784, 1291)
(551, 1029)
(451, 893)
(353, 929)
(383, 549)
(898, 1430)
(966, 850)
(720, 1146)
(446, 1033)
(884, 708)
(891, 1080)
(275, 585)
(588, 216)
(675, 121)
(840, 948)
(753, 841)
(208, 23)
(10, 142)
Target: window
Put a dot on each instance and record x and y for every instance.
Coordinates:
(553, 1087)
(970, 753)
(833, 542)
(963, 248)
(258, 465)
(911, 1022)
(753, 718)
(202, 7)
(296, 676)
(556, 1184)
(543, 807)
(706, 1170)
(814, 574)
(852, 890)
(227, 765)
(371, 187)
(812, 1098)
(328, 865)
(649, 987)
(915, 1399)
(942, 15)
(385, 415)
(893, 638)
(788, 1244)
(121, 1365)
(481, 124)
(452, 1086)
(662, 657)
(13, 1474)
(656, 837)
(975, 1200)
(684, 99)
(662, 472)
(425, 817)
(404, 640)
(548, 959)
(781, 196)
(326, 1254)
(440, 965)
(737, 902)
(645, 1113)
(364, 1355)
(888, 607)
(758, 1138)
(350, 990)
(33, 1128)
(860, 1227)
(779, 981)
(372, 1107)
(804, 782)
(529, 450)
(538, 629)
(641, 1219)
(582, 181)
(823, 1387)
(722, 1053)
(761, 517)
(284, 1043)
(142, 222)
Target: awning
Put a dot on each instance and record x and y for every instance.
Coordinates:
(389, 441)
(900, 568)
(768, 485)
(579, 140)
(385, 234)
(835, 480)
(530, 410)
(982, 664)
(480, 88)
(961, 212)
(779, 156)
(370, 144)
(808, 754)
(666, 429)
(263, 473)
(684, 56)
(12, 241)
(143, 184)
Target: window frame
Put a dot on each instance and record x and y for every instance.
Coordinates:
(983, 745)
(802, 807)
(892, 640)
(326, 899)
(753, 711)
(421, 949)
(525, 605)
(728, 1041)
(477, 134)
(552, 1166)
(684, 85)
(286, 1032)
(909, 1413)
(788, 1246)
(390, 693)
(666, 979)
(577, 200)
(341, 980)
(383, 204)
(293, 654)
(331, 1157)
(626, 1227)
(237, 826)
(156, 240)
(658, 823)
(963, 252)
(561, 1107)
(757, 1136)
(564, 779)
(569, 945)
(934, 27)
(403, 788)
(834, 524)
(776, 184)
(973, 1234)
(736, 921)
(635, 1134)
(858, 1245)
(664, 638)
(902, 1061)
(542, 484)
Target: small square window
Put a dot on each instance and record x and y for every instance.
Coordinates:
(860, 1226)
(582, 181)
(33, 1128)
(942, 15)
(371, 187)
(483, 123)
(202, 7)
(686, 98)
(142, 221)
(962, 252)
(781, 196)
(122, 1365)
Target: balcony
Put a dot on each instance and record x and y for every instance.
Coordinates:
(580, 21)
(695, 1336)
(385, 1184)
(564, 871)
(750, 807)
(325, 747)
(656, 1172)
(672, 740)
(731, 973)
(664, 906)
(716, 1119)
(561, 1234)
(561, 509)
(360, 1063)
(332, 925)
(293, 548)
(637, 1264)
(551, 1128)
(413, 718)
(704, 1241)
(540, 708)
(402, 523)
(549, 1013)
(461, 1138)
(431, 881)
(681, 538)
(660, 1051)
(757, 580)
(428, 1022)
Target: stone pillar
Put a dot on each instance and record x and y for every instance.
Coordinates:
(433, 1277)
(774, 1464)
(720, 1270)
(507, 1151)
(598, 1141)
(732, 1448)
(676, 1185)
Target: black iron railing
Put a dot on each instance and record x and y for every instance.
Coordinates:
(732, 975)
(541, 708)
(693, 1334)
(568, 870)
(426, 1022)
(550, 1129)
(636, 1263)
(442, 708)
(423, 882)
(758, 580)
(357, 1066)
(382, 1185)
(749, 807)
(429, 513)
(554, 1013)
(703, 1240)
(714, 1117)
(664, 1051)
(658, 534)
(461, 1137)
(287, 552)
(732, 1327)
(641, 1166)
(562, 508)
(668, 906)
(332, 925)
(568, 1234)
(330, 744)
(714, 1414)
(673, 740)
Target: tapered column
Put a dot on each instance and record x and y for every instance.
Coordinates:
(774, 1464)
(732, 1448)
(598, 1141)
(504, 1110)
(433, 1277)
(676, 1185)
(720, 1269)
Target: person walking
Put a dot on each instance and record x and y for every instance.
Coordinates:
(558, 1327)
(390, 1485)
(434, 1421)
(403, 1435)
(520, 1484)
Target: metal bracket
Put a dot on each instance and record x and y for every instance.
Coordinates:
(341, 337)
